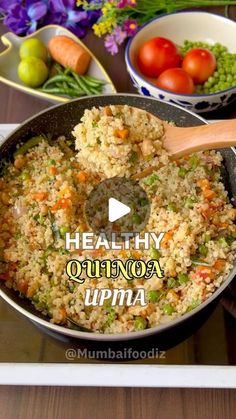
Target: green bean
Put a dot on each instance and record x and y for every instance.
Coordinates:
(95, 91)
(59, 68)
(80, 83)
(62, 91)
(55, 79)
(94, 80)
(67, 71)
(29, 144)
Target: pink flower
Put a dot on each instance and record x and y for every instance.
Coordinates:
(119, 35)
(111, 44)
(124, 3)
(130, 26)
(115, 39)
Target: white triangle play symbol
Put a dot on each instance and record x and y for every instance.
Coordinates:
(116, 209)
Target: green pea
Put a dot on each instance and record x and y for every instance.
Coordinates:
(155, 254)
(222, 241)
(182, 172)
(171, 282)
(194, 161)
(52, 162)
(183, 278)
(203, 250)
(136, 219)
(195, 303)
(64, 230)
(153, 296)
(207, 238)
(189, 202)
(151, 179)
(25, 176)
(168, 309)
(133, 157)
(172, 207)
(143, 202)
(140, 323)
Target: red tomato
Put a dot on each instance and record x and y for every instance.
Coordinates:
(157, 55)
(176, 80)
(200, 64)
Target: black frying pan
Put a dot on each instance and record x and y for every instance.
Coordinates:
(60, 120)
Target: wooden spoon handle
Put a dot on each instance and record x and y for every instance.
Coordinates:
(182, 141)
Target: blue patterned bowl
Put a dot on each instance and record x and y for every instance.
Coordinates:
(193, 26)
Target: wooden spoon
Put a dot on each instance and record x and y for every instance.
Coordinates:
(181, 141)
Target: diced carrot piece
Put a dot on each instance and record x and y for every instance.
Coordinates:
(223, 225)
(121, 133)
(22, 286)
(219, 264)
(204, 272)
(203, 183)
(63, 312)
(61, 204)
(123, 254)
(39, 196)
(136, 254)
(108, 111)
(98, 252)
(208, 193)
(83, 227)
(53, 170)
(167, 237)
(82, 176)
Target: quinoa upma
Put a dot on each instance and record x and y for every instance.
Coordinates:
(42, 196)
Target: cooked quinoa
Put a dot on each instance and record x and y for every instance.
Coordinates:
(42, 196)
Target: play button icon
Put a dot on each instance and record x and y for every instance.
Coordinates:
(116, 210)
(117, 205)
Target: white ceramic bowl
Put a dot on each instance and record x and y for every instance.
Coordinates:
(9, 61)
(193, 26)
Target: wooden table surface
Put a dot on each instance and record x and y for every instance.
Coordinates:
(104, 403)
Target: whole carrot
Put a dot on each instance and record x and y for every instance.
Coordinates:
(69, 53)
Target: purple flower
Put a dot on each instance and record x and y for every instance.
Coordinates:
(130, 26)
(114, 40)
(119, 35)
(24, 19)
(5, 5)
(111, 45)
(65, 13)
